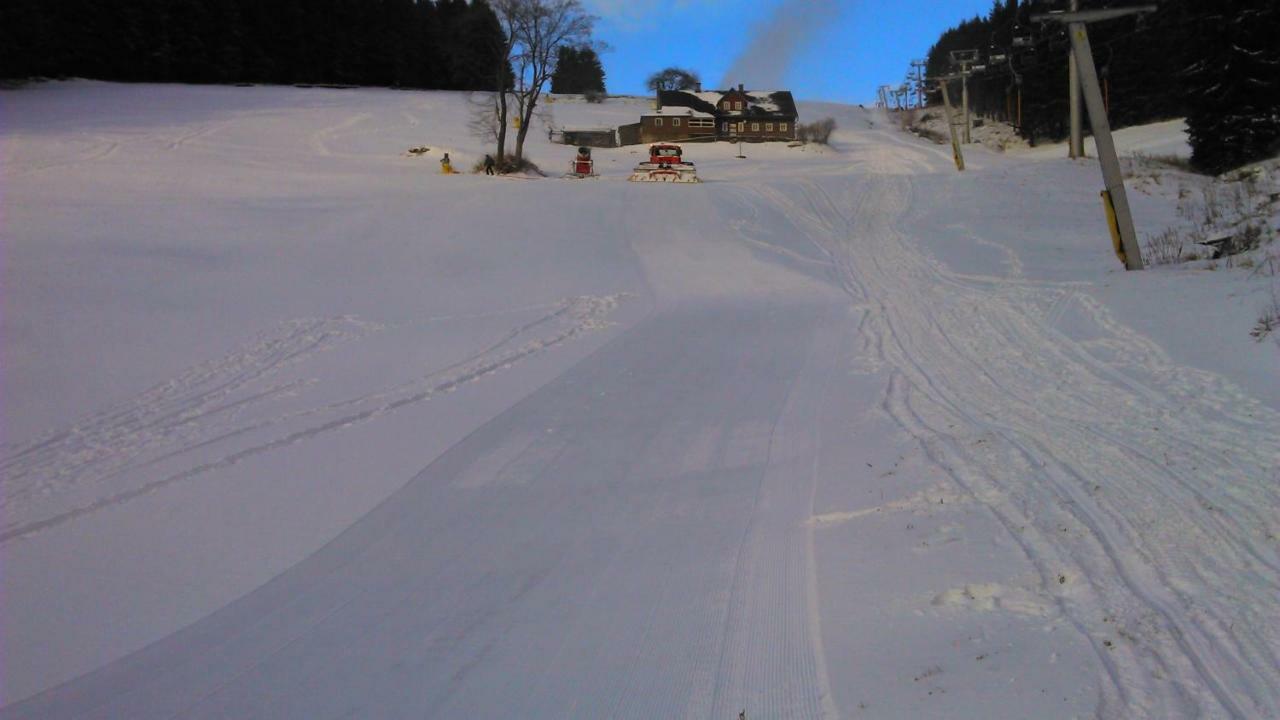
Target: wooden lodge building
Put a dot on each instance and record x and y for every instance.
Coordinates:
(733, 115)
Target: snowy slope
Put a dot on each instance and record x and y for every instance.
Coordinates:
(297, 427)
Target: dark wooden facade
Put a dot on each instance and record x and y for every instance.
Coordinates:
(676, 127)
(629, 134)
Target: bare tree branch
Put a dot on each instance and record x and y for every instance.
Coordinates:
(538, 29)
(484, 121)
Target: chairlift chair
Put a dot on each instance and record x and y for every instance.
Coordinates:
(1022, 37)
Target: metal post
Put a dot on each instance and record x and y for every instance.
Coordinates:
(965, 59)
(1073, 89)
(1117, 201)
(1017, 81)
(1107, 156)
(956, 152)
(920, 87)
(918, 66)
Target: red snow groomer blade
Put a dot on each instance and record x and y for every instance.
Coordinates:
(665, 165)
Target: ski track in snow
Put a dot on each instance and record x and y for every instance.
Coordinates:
(225, 406)
(453, 633)
(1144, 493)
(321, 139)
(1149, 504)
(93, 149)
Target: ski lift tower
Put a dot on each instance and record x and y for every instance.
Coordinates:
(965, 60)
(1115, 201)
(1023, 47)
(956, 151)
(917, 70)
(997, 57)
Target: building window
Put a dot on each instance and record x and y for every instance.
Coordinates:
(755, 127)
(657, 122)
(737, 104)
(782, 127)
(768, 127)
(726, 127)
(675, 122)
(701, 123)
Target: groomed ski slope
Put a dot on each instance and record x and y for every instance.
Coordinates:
(297, 427)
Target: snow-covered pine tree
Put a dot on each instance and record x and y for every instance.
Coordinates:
(1233, 84)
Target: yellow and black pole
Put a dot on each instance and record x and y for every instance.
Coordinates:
(956, 151)
(1115, 200)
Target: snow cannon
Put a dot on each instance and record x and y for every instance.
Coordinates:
(582, 166)
(665, 165)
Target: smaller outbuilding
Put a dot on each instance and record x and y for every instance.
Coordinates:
(587, 137)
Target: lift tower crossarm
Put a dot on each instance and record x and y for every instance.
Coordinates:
(1088, 16)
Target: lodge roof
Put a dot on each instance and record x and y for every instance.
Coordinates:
(678, 111)
(760, 103)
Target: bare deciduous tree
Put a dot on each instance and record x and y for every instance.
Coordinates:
(507, 12)
(536, 30)
(484, 120)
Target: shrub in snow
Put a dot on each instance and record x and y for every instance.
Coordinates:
(1248, 238)
(509, 164)
(1231, 217)
(1269, 320)
(816, 132)
(1164, 248)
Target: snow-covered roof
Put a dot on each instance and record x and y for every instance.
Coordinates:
(758, 102)
(763, 101)
(679, 111)
(712, 97)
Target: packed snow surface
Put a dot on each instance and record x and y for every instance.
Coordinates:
(296, 426)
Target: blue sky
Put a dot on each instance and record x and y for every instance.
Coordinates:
(843, 49)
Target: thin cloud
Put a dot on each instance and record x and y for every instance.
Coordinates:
(640, 14)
